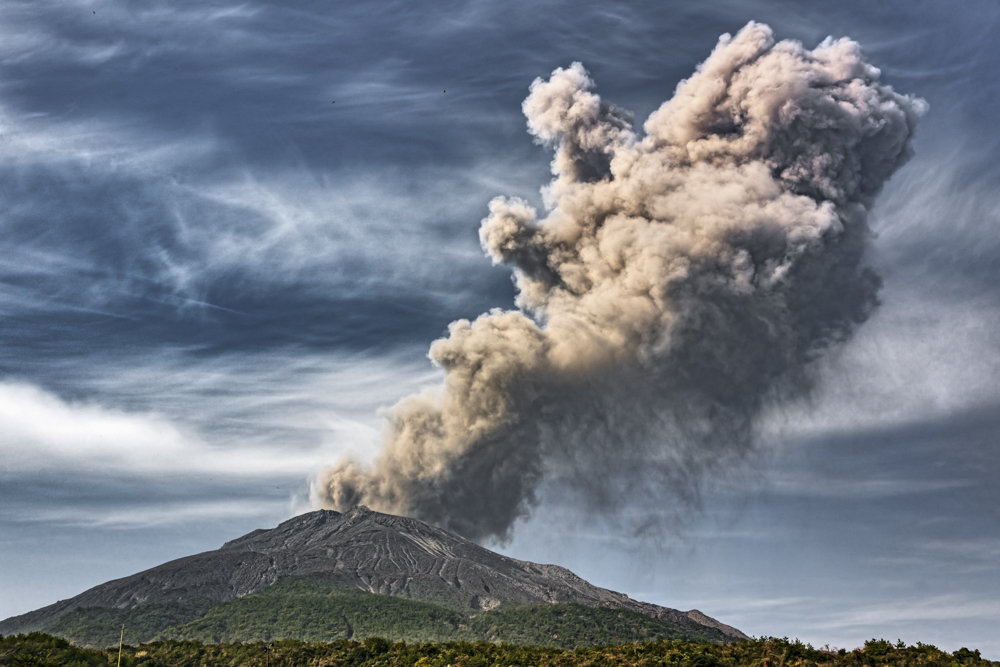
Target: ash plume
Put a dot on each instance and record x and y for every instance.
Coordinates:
(679, 280)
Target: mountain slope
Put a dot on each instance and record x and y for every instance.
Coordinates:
(300, 607)
(359, 550)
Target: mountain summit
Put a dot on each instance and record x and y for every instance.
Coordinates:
(351, 552)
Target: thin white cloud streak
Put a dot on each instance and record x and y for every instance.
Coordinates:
(732, 605)
(28, 139)
(938, 619)
(870, 488)
(975, 550)
(161, 514)
(971, 557)
(899, 613)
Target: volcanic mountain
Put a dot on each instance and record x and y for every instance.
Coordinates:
(325, 575)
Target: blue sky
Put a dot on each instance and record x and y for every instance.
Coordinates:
(231, 231)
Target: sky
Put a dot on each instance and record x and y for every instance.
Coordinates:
(232, 230)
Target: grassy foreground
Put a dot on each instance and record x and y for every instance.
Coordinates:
(40, 650)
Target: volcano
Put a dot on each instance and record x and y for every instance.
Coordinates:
(326, 575)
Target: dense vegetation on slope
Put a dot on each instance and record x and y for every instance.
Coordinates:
(280, 613)
(39, 650)
(573, 625)
(314, 609)
(100, 626)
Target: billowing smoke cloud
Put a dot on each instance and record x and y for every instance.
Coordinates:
(680, 280)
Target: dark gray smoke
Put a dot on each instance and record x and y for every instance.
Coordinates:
(679, 281)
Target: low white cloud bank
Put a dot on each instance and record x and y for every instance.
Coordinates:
(40, 432)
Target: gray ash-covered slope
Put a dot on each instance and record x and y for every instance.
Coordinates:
(365, 550)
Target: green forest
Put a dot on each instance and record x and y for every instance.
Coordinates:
(41, 650)
(308, 609)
